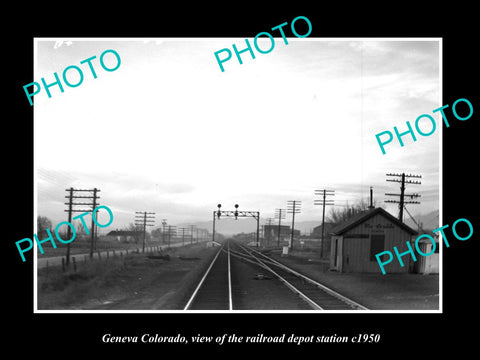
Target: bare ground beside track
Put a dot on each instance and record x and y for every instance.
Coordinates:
(372, 290)
(137, 282)
(133, 282)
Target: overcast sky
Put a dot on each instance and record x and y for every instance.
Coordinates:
(169, 132)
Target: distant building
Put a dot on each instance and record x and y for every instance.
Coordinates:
(125, 235)
(271, 232)
(355, 242)
(317, 230)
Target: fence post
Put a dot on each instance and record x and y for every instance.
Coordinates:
(74, 264)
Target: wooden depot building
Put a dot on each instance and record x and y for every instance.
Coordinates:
(355, 242)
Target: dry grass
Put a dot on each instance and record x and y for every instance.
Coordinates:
(134, 281)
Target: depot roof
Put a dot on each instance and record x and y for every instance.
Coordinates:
(364, 216)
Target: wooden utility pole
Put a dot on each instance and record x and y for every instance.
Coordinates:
(323, 203)
(403, 180)
(183, 235)
(279, 214)
(171, 230)
(93, 203)
(267, 234)
(164, 223)
(144, 219)
(293, 207)
(69, 231)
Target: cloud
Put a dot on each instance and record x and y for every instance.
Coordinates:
(168, 132)
(124, 192)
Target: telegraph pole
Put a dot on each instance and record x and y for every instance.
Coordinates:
(183, 235)
(192, 227)
(323, 203)
(69, 231)
(144, 219)
(171, 230)
(71, 209)
(404, 179)
(164, 223)
(94, 204)
(293, 207)
(267, 235)
(279, 214)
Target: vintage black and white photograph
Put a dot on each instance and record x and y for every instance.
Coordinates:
(212, 175)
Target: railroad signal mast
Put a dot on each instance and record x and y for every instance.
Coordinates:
(144, 219)
(403, 179)
(293, 207)
(217, 214)
(324, 202)
(279, 214)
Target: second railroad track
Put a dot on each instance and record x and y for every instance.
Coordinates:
(242, 278)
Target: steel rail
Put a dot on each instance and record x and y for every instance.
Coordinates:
(292, 287)
(192, 298)
(230, 301)
(339, 296)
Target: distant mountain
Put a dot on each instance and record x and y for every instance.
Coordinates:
(428, 221)
(229, 227)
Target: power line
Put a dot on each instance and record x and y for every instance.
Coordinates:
(403, 179)
(71, 209)
(144, 219)
(419, 225)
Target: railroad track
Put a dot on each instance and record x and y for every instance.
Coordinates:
(214, 290)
